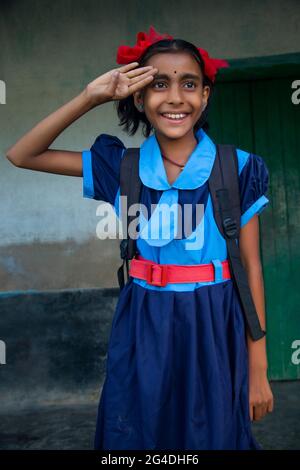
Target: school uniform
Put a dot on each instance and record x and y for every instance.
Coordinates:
(177, 363)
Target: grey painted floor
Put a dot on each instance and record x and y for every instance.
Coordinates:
(72, 426)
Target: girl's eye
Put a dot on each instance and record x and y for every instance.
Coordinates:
(193, 83)
(157, 83)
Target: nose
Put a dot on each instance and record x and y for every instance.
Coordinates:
(174, 95)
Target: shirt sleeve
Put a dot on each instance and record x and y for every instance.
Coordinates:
(254, 183)
(101, 168)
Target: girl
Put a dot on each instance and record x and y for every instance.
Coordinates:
(182, 371)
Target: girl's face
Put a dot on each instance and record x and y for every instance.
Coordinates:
(176, 88)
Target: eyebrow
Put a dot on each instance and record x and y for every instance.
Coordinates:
(182, 76)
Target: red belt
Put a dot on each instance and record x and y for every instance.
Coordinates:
(162, 274)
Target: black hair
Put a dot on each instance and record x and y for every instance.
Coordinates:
(129, 115)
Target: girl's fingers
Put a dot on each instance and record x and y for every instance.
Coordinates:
(140, 70)
(270, 406)
(260, 411)
(141, 77)
(127, 67)
(140, 84)
(256, 413)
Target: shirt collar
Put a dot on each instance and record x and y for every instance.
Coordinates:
(196, 171)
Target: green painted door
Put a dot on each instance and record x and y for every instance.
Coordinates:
(252, 108)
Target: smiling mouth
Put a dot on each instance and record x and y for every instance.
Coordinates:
(176, 120)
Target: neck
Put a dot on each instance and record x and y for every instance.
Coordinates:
(178, 150)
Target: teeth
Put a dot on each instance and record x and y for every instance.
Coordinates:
(175, 116)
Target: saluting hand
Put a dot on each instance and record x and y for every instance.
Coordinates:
(119, 83)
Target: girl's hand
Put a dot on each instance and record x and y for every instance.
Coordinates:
(261, 399)
(119, 83)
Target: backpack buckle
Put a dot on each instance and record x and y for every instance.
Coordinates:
(230, 227)
(163, 275)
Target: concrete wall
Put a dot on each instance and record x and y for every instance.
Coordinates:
(55, 345)
(49, 50)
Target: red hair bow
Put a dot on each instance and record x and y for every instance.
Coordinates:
(127, 54)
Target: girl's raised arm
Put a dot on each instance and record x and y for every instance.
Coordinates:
(32, 150)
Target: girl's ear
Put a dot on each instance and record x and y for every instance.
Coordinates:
(138, 99)
(206, 93)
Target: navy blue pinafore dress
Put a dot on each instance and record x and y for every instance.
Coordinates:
(177, 361)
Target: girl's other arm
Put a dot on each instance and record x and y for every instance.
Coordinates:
(261, 398)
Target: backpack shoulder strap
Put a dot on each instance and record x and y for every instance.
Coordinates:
(224, 186)
(130, 186)
(224, 189)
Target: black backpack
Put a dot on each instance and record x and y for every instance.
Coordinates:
(224, 189)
